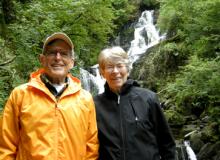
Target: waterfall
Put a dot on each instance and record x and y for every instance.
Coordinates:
(88, 81)
(184, 151)
(98, 78)
(145, 36)
(190, 153)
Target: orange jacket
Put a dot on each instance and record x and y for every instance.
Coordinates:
(37, 126)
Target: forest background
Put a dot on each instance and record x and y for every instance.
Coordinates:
(184, 69)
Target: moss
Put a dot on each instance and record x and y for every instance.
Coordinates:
(174, 118)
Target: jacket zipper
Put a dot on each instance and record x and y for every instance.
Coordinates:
(56, 109)
(122, 130)
(56, 118)
(56, 106)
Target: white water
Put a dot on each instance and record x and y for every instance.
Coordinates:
(145, 36)
(98, 79)
(190, 153)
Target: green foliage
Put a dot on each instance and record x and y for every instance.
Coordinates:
(174, 118)
(89, 23)
(7, 7)
(192, 29)
(199, 30)
(6, 74)
(150, 3)
(5, 85)
(173, 16)
(169, 58)
(198, 86)
(208, 47)
(160, 65)
(124, 11)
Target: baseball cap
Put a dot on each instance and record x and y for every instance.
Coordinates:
(58, 35)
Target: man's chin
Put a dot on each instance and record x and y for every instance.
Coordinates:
(58, 73)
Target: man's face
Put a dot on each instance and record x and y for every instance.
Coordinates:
(116, 75)
(57, 61)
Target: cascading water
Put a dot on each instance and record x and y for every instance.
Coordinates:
(145, 36)
(88, 81)
(98, 79)
(190, 153)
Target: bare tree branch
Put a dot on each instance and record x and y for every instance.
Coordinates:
(7, 62)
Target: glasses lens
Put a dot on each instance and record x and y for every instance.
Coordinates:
(63, 53)
(119, 67)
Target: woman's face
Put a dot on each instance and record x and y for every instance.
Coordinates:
(116, 75)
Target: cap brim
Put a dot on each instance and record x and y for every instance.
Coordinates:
(58, 35)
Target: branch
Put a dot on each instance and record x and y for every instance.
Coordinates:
(7, 62)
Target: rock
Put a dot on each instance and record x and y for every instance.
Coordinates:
(209, 151)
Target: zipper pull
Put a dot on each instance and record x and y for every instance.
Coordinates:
(118, 99)
(56, 107)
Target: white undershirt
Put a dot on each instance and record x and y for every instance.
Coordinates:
(58, 87)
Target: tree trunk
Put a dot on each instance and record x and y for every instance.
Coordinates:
(2, 22)
(8, 11)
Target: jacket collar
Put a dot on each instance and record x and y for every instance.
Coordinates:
(125, 88)
(51, 87)
(74, 84)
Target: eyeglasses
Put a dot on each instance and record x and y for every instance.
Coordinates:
(63, 53)
(119, 67)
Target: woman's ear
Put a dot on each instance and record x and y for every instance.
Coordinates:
(101, 73)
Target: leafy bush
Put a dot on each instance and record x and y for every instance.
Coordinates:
(197, 86)
(199, 30)
(6, 73)
(174, 118)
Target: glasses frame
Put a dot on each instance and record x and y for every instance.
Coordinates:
(63, 53)
(111, 67)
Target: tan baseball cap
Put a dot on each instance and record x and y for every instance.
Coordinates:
(58, 35)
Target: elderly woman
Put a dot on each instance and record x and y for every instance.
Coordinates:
(131, 124)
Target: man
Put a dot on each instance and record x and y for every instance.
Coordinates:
(51, 117)
(131, 123)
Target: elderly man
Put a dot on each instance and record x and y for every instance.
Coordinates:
(51, 117)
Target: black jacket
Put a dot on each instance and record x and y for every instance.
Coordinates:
(132, 126)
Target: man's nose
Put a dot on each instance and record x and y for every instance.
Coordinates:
(58, 55)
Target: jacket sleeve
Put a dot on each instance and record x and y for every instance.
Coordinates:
(9, 131)
(166, 142)
(92, 144)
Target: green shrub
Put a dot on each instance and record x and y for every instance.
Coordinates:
(197, 86)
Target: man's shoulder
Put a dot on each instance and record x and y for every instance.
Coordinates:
(84, 94)
(20, 87)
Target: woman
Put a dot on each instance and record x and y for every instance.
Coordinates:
(131, 124)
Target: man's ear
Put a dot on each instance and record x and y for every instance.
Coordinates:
(72, 63)
(41, 58)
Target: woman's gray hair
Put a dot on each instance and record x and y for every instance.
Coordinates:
(113, 55)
